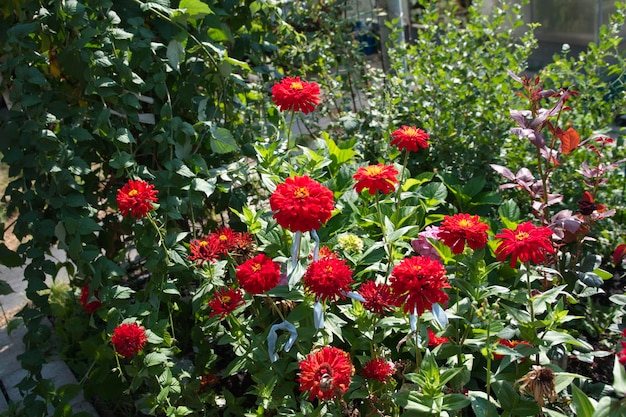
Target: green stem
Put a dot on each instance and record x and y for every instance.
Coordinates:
(488, 376)
(292, 116)
(418, 348)
(388, 245)
(399, 191)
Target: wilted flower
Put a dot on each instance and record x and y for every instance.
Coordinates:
(379, 369)
(135, 198)
(128, 339)
(539, 383)
(301, 204)
(376, 178)
(326, 373)
(294, 94)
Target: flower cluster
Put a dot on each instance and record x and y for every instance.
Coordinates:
(128, 339)
(222, 242)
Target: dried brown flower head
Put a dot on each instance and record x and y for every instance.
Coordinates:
(539, 383)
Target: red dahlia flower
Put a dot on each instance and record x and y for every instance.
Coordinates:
(456, 230)
(135, 198)
(328, 278)
(379, 369)
(434, 340)
(225, 301)
(89, 304)
(378, 297)
(301, 204)
(376, 178)
(297, 95)
(326, 373)
(526, 243)
(258, 274)
(203, 250)
(418, 282)
(410, 138)
(129, 339)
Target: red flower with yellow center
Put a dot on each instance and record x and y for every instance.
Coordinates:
(297, 95)
(301, 204)
(410, 138)
(417, 283)
(328, 278)
(526, 243)
(378, 297)
(90, 304)
(135, 198)
(326, 373)
(203, 250)
(379, 369)
(225, 301)
(128, 339)
(258, 274)
(459, 229)
(376, 178)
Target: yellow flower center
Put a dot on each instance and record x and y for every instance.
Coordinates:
(411, 131)
(203, 243)
(521, 236)
(223, 238)
(133, 193)
(225, 299)
(374, 170)
(329, 269)
(301, 192)
(465, 223)
(256, 267)
(296, 85)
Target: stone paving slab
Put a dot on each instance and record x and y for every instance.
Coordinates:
(11, 373)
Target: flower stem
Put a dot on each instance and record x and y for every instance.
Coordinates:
(388, 245)
(399, 191)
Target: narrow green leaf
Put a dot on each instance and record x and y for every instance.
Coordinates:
(582, 403)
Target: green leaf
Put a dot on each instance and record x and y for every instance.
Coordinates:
(195, 8)
(205, 186)
(121, 293)
(9, 258)
(452, 402)
(619, 378)
(509, 210)
(582, 403)
(5, 288)
(481, 405)
(222, 141)
(155, 358)
(175, 54)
